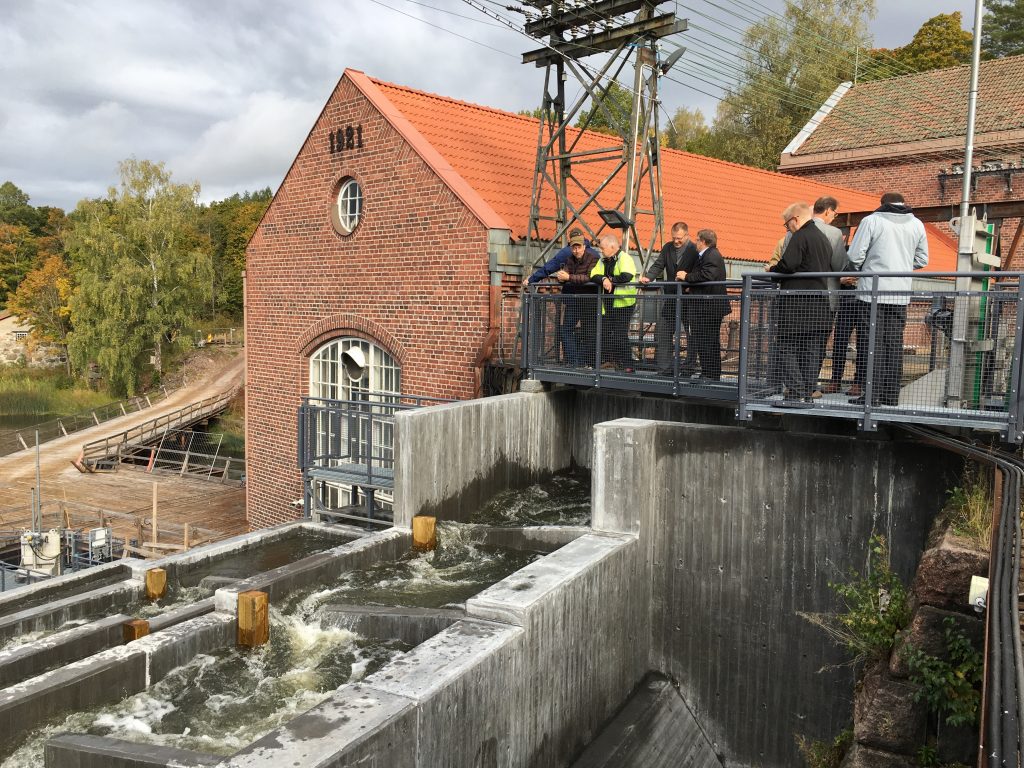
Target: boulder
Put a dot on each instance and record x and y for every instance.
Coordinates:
(885, 715)
(860, 756)
(927, 631)
(944, 575)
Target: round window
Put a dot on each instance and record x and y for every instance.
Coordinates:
(348, 207)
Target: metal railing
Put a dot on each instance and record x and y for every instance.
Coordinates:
(1002, 702)
(866, 352)
(110, 449)
(187, 453)
(350, 443)
(14, 440)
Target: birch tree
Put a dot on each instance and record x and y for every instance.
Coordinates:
(142, 277)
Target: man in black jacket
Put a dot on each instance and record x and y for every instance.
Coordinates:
(708, 304)
(677, 257)
(804, 320)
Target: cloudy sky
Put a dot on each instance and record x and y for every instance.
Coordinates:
(224, 91)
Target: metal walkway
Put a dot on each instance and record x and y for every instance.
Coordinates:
(347, 457)
(939, 353)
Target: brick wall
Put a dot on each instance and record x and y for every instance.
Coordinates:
(917, 178)
(412, 278)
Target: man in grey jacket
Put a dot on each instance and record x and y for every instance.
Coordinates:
(891, 239)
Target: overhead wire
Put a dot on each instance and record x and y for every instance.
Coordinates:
(724, 76)
(442, 29)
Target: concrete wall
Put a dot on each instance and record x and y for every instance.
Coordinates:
(742, 532)
(108, 676)
(540, 642)
(444, 468)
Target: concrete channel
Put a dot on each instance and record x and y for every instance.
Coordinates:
(708, 544)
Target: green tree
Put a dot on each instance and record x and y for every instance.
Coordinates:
(687, 130)
(43, 302)
(14, 209)
(940, 42)
(18, 253)
(612, 115)
(228, 225)
(791, 66)
(1002, 28)
(142, 278)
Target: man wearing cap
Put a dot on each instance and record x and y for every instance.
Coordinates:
(677, 258)
(571, 267)
(892, 239)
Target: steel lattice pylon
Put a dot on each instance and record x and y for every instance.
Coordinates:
(559, 196)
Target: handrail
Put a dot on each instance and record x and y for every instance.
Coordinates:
(13, 440)
(1002, 722)
(933, 374)
(112, 444)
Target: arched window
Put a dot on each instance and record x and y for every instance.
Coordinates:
(351, 371)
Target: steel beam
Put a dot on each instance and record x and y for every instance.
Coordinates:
(602, 42)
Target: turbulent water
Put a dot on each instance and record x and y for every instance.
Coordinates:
(222, 701)
(458, 569)
(561, 500)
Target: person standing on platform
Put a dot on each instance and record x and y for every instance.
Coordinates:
(892, 239)
(677, 258)
(613, 275)
(708, 305)
(571, 266)
(804, 320)
(825, 210)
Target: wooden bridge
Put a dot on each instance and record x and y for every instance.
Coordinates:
(106, 453)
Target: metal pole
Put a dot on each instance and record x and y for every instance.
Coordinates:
(37, 510)
(972, 102)
(965, 250)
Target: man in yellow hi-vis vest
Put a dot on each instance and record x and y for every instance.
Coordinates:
(614, 275)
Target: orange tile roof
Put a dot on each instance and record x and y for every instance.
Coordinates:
(922, 106)
(492, 153)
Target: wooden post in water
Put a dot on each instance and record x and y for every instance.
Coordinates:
(156, 583)
(134, 629)
(253, 618)
(424, 533)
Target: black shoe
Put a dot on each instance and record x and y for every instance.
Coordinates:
(858, 400)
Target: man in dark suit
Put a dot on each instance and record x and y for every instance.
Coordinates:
(677, 257)
(803, 310)
(708, 303)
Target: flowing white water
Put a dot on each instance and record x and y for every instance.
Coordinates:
(220, 702)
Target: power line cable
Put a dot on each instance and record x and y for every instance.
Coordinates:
(443, 29)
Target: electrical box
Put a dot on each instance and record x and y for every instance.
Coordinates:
(40, 551)
(980, 244)
(978, 595)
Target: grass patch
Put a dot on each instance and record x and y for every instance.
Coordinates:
(41, 392)
(968, 508)
(232, 424)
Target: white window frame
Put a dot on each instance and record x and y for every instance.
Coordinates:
(331, 380)
(347, 208)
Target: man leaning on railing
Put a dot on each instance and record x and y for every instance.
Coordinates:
(571, 267)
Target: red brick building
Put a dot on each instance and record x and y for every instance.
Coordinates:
(908, 134)
(393, 232)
